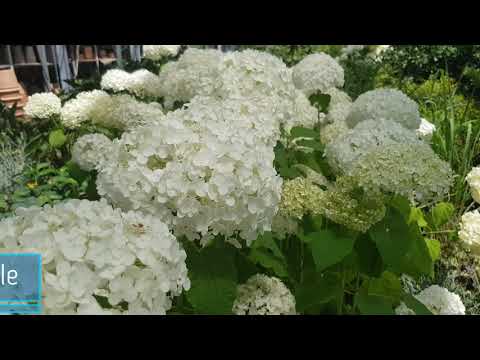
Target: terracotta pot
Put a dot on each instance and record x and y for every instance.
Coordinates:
(8, 80)
(30, 54)
(88, 52)
(18, 54)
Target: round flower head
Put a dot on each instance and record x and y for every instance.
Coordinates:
(122, 112)
(299, 197)
(388, 104)
(203, 169)
(339, 106)
(331, 132)
(410, 170)
(158, 52)
(343, 154)
(88, 248)
(263, 295)
(141, 83)
(317, 72)
(90, 150)
(473, 180)
(348, 204)
(470, 231)
(440, 301)
(196, 72)
(43, 106)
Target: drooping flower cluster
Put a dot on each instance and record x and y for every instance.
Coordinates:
(469, 232)
(343, 153)
(158, 52)
(263, 295)
(438, 300)
(12, 160)
(91, 250)
(201, 170)
(43, 106)
(90, 151)
(141, 83)
(388, 104)
(473, 180)
(317, 72)
(410, 170)
(114, 111)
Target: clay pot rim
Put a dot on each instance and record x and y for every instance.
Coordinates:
(11, 98)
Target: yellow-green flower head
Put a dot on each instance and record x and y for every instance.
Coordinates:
(348, 204)
(299, 197)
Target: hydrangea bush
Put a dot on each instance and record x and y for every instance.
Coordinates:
(231, 183)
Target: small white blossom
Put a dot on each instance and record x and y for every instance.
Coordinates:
(473, 180)
(470, 231)
(43, 106)
(158, 52)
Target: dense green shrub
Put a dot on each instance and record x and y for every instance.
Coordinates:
(360, 72)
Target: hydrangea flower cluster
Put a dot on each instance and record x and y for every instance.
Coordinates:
(348, 204)
(438, 300)
(199, 170)
(158, 52)
(141, 83)
(12, 160)
(410, 170)
(91, 250)
(43, 106)
(317, 72)
(473, 180)
(299, 197)
(331, 132)
(469, 232)
(118, 111)
(90, 151)
(248, 76)
(388, 104)
(339, 106)
(343, 154)
(263, 295)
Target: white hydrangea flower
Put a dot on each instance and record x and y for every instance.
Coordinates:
(440, 301)
(196, 72)
(118, 111)
(388, 104)
(205, 169)
(88, 248)
(342, 154)
(90, 150)
(158, 52)
(333, 131)
(339, 107)
(473, 180)
(263, 295)
(317, 72)
(426, 130)
(470, 231)
(43, 106)
(141, 83)
(407, 169)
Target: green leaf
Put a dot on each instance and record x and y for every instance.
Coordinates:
(433, 248)
(265, 252)
(320, 101)
(57, 138)
(317, 289)
(402, 247)
(416, 215)
(441, 213)
(415, 305)
(373, 305)
(368, 259)
(388, 286)
(329, 248)
(299, 131)
(213, 279)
